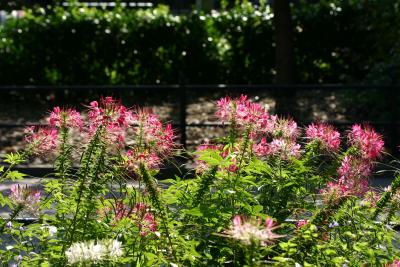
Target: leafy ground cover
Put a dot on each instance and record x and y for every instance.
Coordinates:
(267, 193)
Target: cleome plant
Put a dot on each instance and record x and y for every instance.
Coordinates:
(268, 193)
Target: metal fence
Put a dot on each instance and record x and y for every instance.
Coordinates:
(390, 93)
(183, 98)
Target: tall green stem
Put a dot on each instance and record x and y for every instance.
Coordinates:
(13, 214)
(151, 188)
(82, 176)
(387, 196)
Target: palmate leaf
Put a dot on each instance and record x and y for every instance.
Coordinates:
(211, 157)
(4, 201)
(194, 212)
(14, 158)
(15, 175)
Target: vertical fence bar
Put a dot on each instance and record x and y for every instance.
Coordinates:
(394, 117)
(182, 114)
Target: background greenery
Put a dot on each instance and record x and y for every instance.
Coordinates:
(335, 41)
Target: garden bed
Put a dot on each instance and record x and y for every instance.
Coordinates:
(265, 192)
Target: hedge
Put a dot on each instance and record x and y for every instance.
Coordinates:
(350, 41)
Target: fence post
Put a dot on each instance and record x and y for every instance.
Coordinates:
(394, 118)
(182, 113)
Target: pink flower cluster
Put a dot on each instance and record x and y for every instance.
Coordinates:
(152, 135)
(301, 223)
(135, 157)
(252, 230)
(139, 214)
(281, 133)
(356, 168)
(326, 135)
(44, 140)
(242, 112)
(334, 192)
(151, 141)
(65, 118)
(395, 263)
(111, 115)
(353, 179)
(369, 143)
(26, 197)
(41, 140)
(283, 148)
(285, 129)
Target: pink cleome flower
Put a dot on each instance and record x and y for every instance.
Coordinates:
(133, 159)
(285, 129)
(147, 224)
(301, 223)
(353, 178)
(395, 263)
(41, 140)
(65, 117)
(357, 187)
(243, 113)
(261, 149)
(353, 167)
(252, 230)
(225, 110)
(111, 115)
(334, 192)
(282, 148)
(26, 197)
(152, 135)
(325, 134)
(353, 174)
(138, 214)
(367, 141)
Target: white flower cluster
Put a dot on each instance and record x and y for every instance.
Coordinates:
(94, 252)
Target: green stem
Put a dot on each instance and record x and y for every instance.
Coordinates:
(92, 191)
(205, 183)
(154, 197)
(23, 157)
(13, 214)
(63, 166)
(82, 176)
(387, 196)
(241, 160)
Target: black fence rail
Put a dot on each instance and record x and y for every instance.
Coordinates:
(388, 100)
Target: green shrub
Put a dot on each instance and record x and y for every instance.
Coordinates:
(335, 41)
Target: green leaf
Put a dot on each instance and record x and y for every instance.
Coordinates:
(194, 212)
(257, 209)
(3, 201)
(211, 157)
(14, 158)
(15, 175)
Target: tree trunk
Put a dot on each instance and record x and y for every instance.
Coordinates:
(284, 58)
(205, 5)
